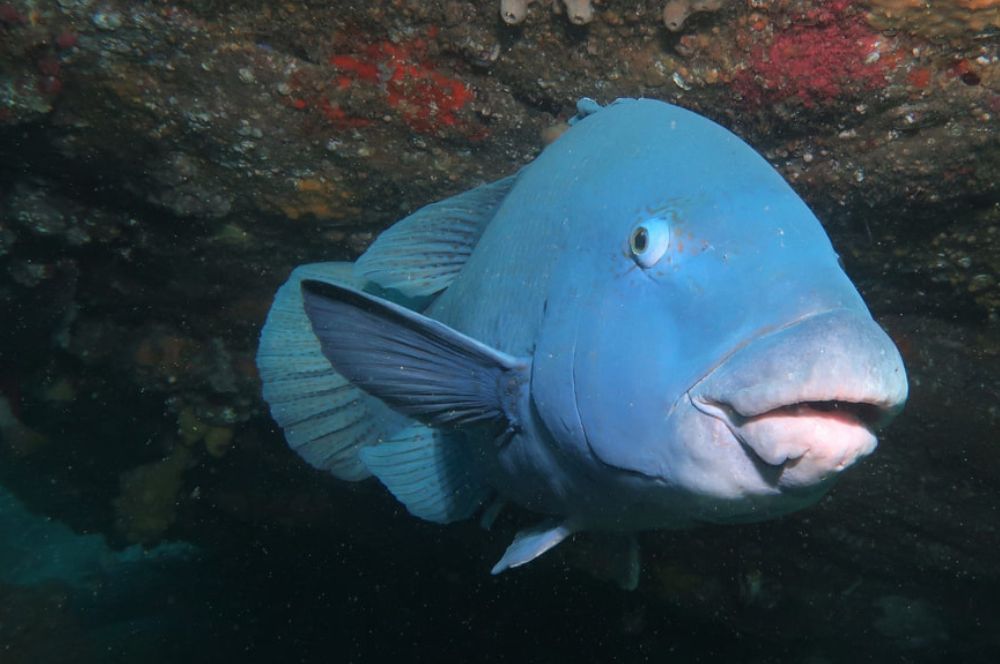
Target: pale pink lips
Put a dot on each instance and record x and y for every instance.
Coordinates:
(812, 443)
(805, 443)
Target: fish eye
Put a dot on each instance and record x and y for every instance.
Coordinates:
(639, 241)
(649, 241)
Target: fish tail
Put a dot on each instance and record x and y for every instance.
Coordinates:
(326, 419)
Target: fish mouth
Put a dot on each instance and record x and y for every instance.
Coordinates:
(805, 401)
(830, 435)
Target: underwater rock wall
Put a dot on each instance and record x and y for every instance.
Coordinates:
(163, 166)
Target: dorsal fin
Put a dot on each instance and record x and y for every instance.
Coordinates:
(421, 254)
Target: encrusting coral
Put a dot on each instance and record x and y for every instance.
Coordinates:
(941, 20)
(147, 504)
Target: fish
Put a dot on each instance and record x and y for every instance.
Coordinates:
(644, 328)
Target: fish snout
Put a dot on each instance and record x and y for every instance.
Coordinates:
(804, 401)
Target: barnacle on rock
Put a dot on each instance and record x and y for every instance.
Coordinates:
(514, 11)
(676, 12)
(579, 12)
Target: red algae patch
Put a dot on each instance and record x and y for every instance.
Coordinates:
(425, 99)
(819, 58)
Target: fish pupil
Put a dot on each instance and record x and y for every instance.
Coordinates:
(640, 240)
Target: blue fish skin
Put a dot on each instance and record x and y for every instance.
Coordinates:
(662, 325)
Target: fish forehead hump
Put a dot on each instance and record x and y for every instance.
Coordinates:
(572, 209)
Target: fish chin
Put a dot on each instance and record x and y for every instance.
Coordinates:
(722, 478)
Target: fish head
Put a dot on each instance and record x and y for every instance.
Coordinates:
(702, 340)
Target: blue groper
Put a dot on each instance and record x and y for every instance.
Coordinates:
(643, 328)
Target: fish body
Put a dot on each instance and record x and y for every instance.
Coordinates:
(643, 328)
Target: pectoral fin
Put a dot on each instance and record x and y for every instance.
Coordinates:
(416, 364)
